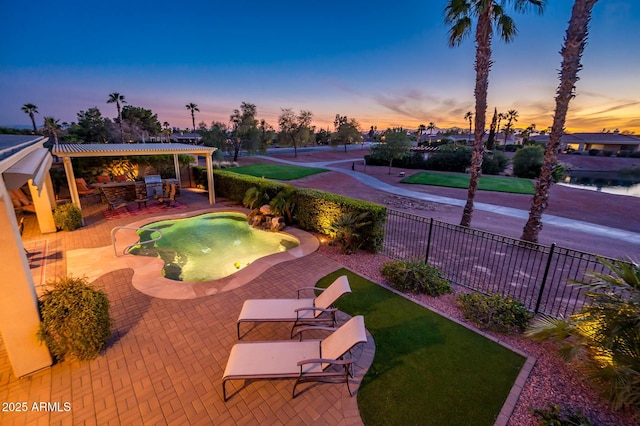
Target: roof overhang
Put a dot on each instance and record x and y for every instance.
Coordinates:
(34, 165)
(116, 150)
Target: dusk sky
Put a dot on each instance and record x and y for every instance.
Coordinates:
(383, 63)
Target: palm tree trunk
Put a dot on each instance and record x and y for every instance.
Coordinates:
(33, 121)
(120, 120)
(575, 41)
(483, 66)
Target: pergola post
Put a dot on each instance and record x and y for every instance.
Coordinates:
(71, 181)
(19, 316)
(176, 166)
(212, 191)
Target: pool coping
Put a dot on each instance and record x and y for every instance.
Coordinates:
(147, 277)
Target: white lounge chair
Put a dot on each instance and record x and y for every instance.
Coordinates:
(306, 361)
(299, 311)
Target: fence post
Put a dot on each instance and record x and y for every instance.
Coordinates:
(544, 277)
(426, 257)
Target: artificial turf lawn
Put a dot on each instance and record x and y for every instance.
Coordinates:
(427, 369)
(276, 171)
(486, 183)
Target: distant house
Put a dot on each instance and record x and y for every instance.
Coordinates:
(188, 138)
(614, 141)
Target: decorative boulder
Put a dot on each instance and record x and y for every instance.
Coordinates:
(265, 210)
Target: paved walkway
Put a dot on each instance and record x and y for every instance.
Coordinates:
(164, 362)
(577, 225)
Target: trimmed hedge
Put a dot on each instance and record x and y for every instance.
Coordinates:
(315, 210)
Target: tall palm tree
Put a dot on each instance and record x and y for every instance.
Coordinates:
(117, 98)
(52, 127)
(459, 14)
(469, 116)
(193, 107)
(430, 128)
(512, 115)
(31, 109)
(574, 42)
(167, 130)
(501, 116)
(421, 129)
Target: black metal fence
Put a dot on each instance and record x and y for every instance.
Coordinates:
(537, 275)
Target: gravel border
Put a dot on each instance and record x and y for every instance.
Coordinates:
(551, 380)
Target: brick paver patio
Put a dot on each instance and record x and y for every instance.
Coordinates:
(164, 362)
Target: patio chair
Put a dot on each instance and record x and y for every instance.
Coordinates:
(306, 361)
(103, 179)
(114, 203)
(299, 311)
(83, 188)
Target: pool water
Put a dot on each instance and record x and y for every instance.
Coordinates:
(209, 246)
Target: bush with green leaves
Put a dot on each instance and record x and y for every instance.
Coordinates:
(554, 415)
(495, 312)
(605, 334)
(412, 160)
(416, 277)
(346, 231)
(451, 158)
(494, 163)
(284, 203)
(75, 319)
(527, 162)
(256, 197)
(67, 217)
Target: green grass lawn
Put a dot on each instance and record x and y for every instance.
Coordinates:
(277, 171)
(486, 183)
(427, 369)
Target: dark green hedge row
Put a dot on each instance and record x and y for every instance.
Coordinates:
(315, 210)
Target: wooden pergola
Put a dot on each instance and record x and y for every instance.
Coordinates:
(69, 151)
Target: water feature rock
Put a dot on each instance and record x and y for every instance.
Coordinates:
(265, 210)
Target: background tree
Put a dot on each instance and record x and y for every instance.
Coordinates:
(51, 128)
(91, 127)
(193, 108)
(396, 145)
(526, 133)
(574, 42)
(31, 110)
(245, 128)
(491, 139)
(141, 121)
(216, 136)
(469, 116)
(430, 128)
(117, 98)
(459, 14)
(501, 116)
(166, 131)
(421, 129)
(323, 136)
(266, 136)
(346, 131)
(295, 130)
(512, 116)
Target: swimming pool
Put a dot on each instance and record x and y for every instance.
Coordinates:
(209, 246)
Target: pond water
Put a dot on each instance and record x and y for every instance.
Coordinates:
(210, 246)
(608, 182)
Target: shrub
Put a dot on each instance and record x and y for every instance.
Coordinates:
(452, 158)
(624, 153)
(635, 154)
(75, 319)
(67, 217)
(527, 162)
(494, 164)
(511, 148)
(594, 151)
(554, 415)
(604, 335)
(317, 210)
(416, 277)
(256, 196)
(284, 203)
(607, 153)
(495, 312)
(412, 160)
(345, 231)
